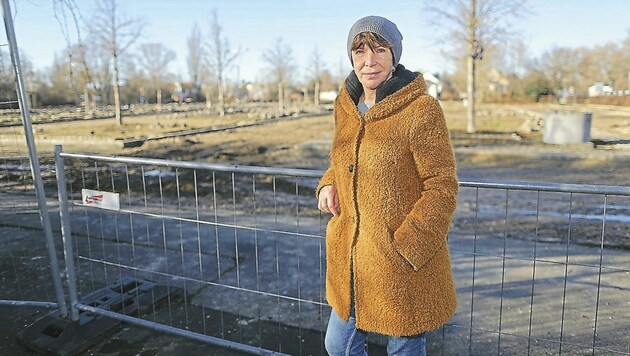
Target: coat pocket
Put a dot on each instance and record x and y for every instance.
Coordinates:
(386, 245)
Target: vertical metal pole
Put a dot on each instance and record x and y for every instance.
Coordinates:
(35, 169)
(66, 233)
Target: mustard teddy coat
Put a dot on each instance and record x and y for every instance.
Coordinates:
(394, 171)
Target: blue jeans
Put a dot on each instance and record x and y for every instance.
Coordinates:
(344, 339)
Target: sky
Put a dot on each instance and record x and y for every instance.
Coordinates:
(253, 26)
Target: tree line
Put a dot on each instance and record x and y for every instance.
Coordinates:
(105, 63)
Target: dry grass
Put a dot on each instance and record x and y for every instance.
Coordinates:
(267, 143)
(491, 118)
(134, 126)
(498, 118)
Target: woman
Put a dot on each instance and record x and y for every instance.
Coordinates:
(392, 188)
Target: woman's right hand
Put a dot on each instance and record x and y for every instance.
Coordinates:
(328, 200)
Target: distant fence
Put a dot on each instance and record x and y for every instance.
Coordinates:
(234, 255)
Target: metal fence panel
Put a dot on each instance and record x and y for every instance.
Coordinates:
(20, 286)
(537, 265)
(240, 253)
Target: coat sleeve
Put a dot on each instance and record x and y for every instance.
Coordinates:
(329, 176)
(327, 179)
(423, 231)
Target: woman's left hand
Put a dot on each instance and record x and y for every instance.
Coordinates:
(328, 200)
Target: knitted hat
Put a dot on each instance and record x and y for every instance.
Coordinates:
(382, 27)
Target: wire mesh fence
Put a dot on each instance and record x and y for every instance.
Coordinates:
(230, 247)
(19, 281)
(235, 254)
(544, 268)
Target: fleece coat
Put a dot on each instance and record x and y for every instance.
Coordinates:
(394, 171)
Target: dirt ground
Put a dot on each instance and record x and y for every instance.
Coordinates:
(496, 153)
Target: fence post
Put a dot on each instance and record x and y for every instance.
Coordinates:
(66, 233)
(32, 150)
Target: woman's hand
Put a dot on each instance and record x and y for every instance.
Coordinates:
(328, 200)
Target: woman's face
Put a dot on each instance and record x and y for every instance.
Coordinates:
(372, 67)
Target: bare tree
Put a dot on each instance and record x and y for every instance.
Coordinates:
(62, 10)
(341, 73)
(88, 62)
(477, 24)
(612, 65)
(317, 69)
(220, 58)
(560, 66)
(81, 76)
(80, 69)
(58, 80)
(196, 54)
(280, 59)
(115, 33)
(155, 60)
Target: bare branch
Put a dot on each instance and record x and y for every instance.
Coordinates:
(155, 59)
(280, 59)
(221, 57)
(196, 55)
(475, 25)
(114, 33)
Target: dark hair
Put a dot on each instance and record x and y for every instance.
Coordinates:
(371, 39)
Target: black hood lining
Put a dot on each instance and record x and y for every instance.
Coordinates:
(399, 79)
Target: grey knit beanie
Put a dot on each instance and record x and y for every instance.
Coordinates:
(382, 27)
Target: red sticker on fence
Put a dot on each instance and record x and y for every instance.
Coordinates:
(98, 199)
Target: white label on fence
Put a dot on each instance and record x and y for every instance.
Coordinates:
(98, 199)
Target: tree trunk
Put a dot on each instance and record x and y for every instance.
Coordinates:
(280, 99)
(93, 102)
(86, 103)
(221, 99)
(316, 94)
(470, 96)
(472, 54)
(119, 120)
(159, 100)
(206, 93)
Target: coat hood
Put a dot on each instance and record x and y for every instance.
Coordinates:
(407, 85)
